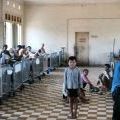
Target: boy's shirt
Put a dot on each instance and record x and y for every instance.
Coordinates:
(72, 78)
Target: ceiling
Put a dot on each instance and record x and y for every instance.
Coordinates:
(70, 1)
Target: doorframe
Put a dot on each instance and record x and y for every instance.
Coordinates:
(76, 43)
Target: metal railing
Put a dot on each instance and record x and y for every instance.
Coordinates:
(26, 70)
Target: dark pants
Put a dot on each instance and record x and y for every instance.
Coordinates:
(84, 85)
(107, 83)
(72, 92)
(116, 106)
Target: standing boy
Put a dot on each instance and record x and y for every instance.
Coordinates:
(72, 85)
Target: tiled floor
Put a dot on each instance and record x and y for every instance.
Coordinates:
(43, 101)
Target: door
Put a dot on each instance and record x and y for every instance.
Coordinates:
(82, 48)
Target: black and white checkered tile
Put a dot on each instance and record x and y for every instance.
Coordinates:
(43, 101)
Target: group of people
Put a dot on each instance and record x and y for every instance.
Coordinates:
(8, 56)
(75, 83)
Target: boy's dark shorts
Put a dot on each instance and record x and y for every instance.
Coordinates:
(72, 92)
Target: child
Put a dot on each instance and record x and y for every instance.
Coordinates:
(105, 79)
(85, 80)
(72, 85)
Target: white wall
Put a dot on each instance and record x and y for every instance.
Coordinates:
(56, 26)
(102, 33)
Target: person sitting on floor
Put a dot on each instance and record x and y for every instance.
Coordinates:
(105, 80)
(85, 80)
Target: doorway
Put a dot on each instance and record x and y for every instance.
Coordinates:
(82, 47)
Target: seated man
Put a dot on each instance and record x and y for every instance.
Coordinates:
(105, 79)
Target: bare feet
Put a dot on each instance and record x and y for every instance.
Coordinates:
(74, 115)
(71, 115)
(85, 101)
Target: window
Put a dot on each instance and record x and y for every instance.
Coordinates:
(13, 34)
(19, 34)
(9, 35)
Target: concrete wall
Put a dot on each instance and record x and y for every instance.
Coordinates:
(55, 25)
